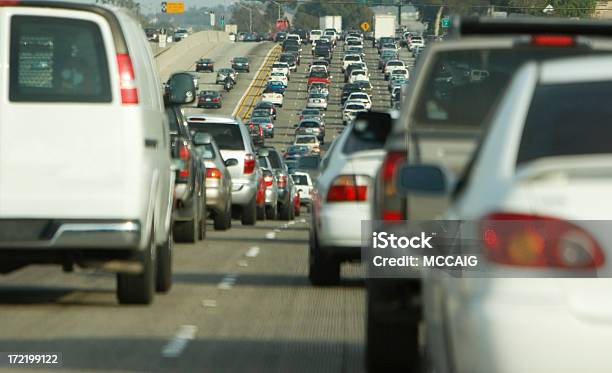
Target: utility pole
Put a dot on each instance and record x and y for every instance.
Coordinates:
(399, 12)
(250, 16)
(279, 5)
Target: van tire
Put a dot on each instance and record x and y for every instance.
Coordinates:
(223, 219)
(271, 213)
(322, 270)
(163, 281)
(139, 288)
(392, 342)
(249, 213)
(285, 210)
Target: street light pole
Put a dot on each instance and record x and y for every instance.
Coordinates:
(279, 5)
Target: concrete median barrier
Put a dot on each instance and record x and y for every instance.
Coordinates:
(182, 55)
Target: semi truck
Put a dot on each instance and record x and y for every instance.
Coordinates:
(384, 26)
(334, 22)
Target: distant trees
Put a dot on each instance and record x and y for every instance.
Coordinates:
(308, 13)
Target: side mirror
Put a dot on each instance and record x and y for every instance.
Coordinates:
(296, 125)
(181, 89)
(423, 179)
(202, 138)
(231, 162)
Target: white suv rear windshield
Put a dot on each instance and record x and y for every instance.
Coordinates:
(57, 60)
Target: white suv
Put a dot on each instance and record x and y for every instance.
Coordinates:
(94, 184)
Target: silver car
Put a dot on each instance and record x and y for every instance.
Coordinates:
(218, 180)
(233, 138)
(317, 101)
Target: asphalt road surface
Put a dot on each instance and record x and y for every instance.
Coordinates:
(241, 301)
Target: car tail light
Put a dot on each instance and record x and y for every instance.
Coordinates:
(538, 241)
(213, 173)
(268, 180)
(260, 131)
(269, 125)
(185, 156)
(9, 2)
(553, 40)
(282, 181)
(249, 163)
(391, 203)
(127, 79)
(348, 188)
(216, 99)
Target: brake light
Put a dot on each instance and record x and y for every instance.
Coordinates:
(269, 125)
(282, 181)
(553, 40)
(249, 164)
(127, 79)
(538, 241)
(391, 203)
(9, 2)
(216, 99)
(268, 180)
(348, 188)
(260, 131)
(213, 173)
(185, 156)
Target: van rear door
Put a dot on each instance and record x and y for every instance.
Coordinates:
(61, 142)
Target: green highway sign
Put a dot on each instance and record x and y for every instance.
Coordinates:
(445, 22)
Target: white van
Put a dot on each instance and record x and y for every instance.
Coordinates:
(86, 176)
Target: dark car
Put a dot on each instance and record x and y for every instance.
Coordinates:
(252, 37)
(322, 51)
(296, 56)
(262, 113)
(285, 183)
(294, 47)
(290, 59)
(311, 127)
(268, 106)
(296, 151)
(265, 123)
(241, 64)
(210, 99)
(205, 64)
(280, 36)
(189, 214)
(275, 87)
(256, 132)
(396, 95)
(310, 165)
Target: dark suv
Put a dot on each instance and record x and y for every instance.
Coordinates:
(241, 64)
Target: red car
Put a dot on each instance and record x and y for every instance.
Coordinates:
(318, 77)
(260, 198)
(296, 203)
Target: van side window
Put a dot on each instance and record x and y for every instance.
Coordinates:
(57, 60)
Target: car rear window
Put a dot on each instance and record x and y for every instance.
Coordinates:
(454, 97)
(57, 60)
(227, 136)
(558, 124)
(309, 125)
(355, 107)
(275, 160)
(305, 140)
(352, 58)
(309, 162)
(300, 179)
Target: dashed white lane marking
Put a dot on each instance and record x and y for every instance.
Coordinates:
(291, 222)
(177, 344)
(227, 282)
(270, 235)
(242, 263)
(209, 303)
(302, 220)
(277, 230)
(252, 252)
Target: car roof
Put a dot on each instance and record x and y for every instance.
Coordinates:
(584, 69)
(204, 118)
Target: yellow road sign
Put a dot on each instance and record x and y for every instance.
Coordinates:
(174, 7)
(365, 26)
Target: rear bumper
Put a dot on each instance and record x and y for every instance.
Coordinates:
(215, 199)
(66, 234)
(243, 192)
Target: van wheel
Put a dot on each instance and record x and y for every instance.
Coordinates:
(163, 281)
(222, 219)
(139, 288)
(271, 213)
(249, 213)
(391, 331)
(261, 212)
(285, 211)
(322, 270)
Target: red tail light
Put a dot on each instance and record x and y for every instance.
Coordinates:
(391, 203)
(348, 188)
(213, 173)
(260, 131)
(249, 164)
(216, 99)
(9, 2)
(553, 40)
(185, 156)
(269, 125)
(282, 181)
(127, 79)
(538, 241)
(268, 180)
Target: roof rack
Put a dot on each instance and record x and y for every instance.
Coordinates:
(487, 26)
(106, 13)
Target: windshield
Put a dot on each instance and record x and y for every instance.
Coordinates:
(318, 74)
(300, 179)
(355, 107)
(227, 136)
(241, 59)
(305, 140)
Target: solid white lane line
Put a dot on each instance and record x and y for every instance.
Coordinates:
(252, 252)
(181, 339)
